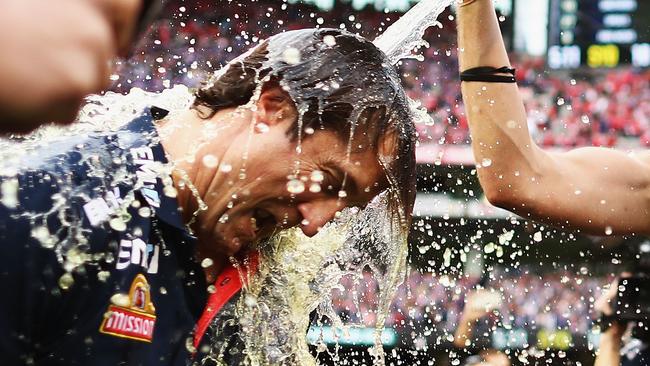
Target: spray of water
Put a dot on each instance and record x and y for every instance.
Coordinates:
(43, 150)
(297, 274)
(405, 35)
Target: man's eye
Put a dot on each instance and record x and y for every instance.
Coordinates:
(331, 185)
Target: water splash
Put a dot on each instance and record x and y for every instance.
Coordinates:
(297, 275)
(405, 35)
(101, 116)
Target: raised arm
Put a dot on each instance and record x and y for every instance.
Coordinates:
(596, 190)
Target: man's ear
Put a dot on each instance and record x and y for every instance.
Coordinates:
(275, 106)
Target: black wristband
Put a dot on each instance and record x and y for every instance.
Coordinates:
(605, 322)
(488, 74)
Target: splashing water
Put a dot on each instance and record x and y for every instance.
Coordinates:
(405, 35)
(297, 275)
(101, 116)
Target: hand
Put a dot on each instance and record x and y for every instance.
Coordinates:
(604, 303)
(54, 54)
(122, 16)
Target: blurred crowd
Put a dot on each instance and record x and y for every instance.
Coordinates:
(565, 110)
(551, 301)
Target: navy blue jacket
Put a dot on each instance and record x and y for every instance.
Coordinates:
(96, 266)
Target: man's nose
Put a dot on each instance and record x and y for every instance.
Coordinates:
(316, 214)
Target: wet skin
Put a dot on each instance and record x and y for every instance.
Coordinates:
(254, 141)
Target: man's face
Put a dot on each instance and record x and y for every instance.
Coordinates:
(275, 182)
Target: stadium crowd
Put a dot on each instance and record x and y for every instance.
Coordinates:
(558, 300)
(592, 108)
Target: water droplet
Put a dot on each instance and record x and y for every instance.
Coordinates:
(250, 301)
(343, 194)
(42, 234)
(291, 56)
(314, 188)
(170, 191)
(537, 236)
(163, 290)
(144, 212)
(210, 161)
(207, 262)
(66, 281)
(226, 168)
(212, 289)
(317, 176)
(117, 224)
(103, 275)
(584, 118)
(486, 162)
(329, 40)
(261, 127)
(608, 230)
(9, 191)
(295, 186)
(121, 299)
(189, 345)
(560, 101)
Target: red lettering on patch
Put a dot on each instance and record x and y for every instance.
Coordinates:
(131, 316)
(126, 323)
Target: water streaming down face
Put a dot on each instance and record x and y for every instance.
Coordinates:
(356, 84)
(297, 274)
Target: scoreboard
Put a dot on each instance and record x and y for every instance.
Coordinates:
(598, 33)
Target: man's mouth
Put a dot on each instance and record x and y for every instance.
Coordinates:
(262, 220)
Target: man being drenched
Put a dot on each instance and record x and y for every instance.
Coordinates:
(108, 239)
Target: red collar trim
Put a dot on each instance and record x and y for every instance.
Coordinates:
(227, 284)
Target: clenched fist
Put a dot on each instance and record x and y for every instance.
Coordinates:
(54, 53)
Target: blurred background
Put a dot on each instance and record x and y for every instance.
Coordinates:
(582, 67)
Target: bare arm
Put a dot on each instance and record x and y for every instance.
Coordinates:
(477, 305)
(609, 349)
(596, 190)
(463, 334)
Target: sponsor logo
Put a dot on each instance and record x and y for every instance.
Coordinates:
(132, 316)
(138, 252)
(99, 210)
(147, 173)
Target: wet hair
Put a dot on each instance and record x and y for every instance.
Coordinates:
(339, 82)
